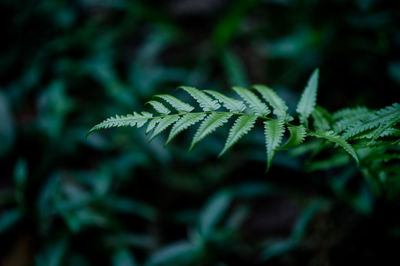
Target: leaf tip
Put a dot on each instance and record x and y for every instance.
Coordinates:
(191, 147)
(93, 129)
(267, 168)
(221, 153)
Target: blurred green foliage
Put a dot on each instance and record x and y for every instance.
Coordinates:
(113, 199)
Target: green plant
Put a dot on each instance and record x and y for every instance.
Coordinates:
(372, 135)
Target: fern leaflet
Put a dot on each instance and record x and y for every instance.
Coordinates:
(308, 98)
(279, 106)
(183, 123)
(321, 119)
(332, 137)
(233, 105)
(241, 127)
(163, 124)
(274, 130)
(152, 124)
(159, 107)
(209, 125)
(297, 136)
(205, 101)
(136, 119)
(180, 106)
(255, 104)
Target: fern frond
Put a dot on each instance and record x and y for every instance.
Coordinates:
(278, 104)
(349, 117)
(163, 124)
(367, 129)
(241, 127)
(255, 104)
(297, 136)
(209, 125)
(205, 101)
(389, 132)
(308, 98)
(350, 112)
(359, 127)
(136, 119)
(159, 107)
(183, 123)
(332, 137)
(180, 106)
(233, 105)
(392, 117)
(380, 120)
(274, 130)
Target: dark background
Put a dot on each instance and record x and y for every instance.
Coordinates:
(114, 199)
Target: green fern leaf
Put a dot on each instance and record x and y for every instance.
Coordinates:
(233, 105)
(392, 117)
(152, 124)
(136, 119)
(205, 101)
(163, 124)
(361, 126)
(332, 137)
(350, 112)
(348, 117)
(308, 99)
(278, 104)
(183, 123)
(380, 120)
(209, 125)
(297, 136)
(274, 131)
(255, 104)
(389, 132)
(159, 107)
(240, 128)
(180, 106)
(374, 133)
